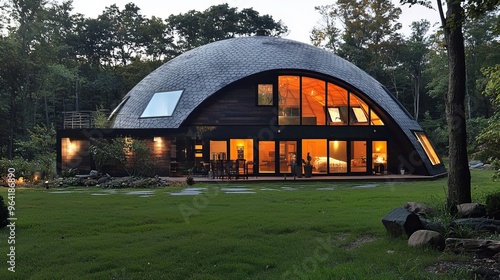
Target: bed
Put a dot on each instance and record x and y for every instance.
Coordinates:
(320, 164)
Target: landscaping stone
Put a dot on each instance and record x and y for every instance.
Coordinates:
(400, 221)
(478, 224)
(479, 247)
(471, 210)
(93, 174)
(429, 225)
(424, 238)
(416, 207)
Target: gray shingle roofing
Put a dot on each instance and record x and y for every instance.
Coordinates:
(205, 70)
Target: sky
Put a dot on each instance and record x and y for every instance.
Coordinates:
(298, 15)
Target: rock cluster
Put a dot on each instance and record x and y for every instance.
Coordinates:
(95, 179)
(411, 220)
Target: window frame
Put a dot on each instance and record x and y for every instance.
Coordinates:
(156, 101)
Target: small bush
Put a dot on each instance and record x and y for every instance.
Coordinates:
(496, 165)
(4, 213)
(70, 172)
(493, 202)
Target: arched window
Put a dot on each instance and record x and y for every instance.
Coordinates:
(312, 101)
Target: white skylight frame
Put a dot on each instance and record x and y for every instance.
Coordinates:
(334, 113)
(360, 114)
(162, 104)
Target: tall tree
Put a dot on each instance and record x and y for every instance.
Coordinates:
(415, 53)
(219, 22)
(370, 30)
(457, 11)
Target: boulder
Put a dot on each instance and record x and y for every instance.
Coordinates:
(427, 238)
(400, 221)
(417, 208)
(429, 225)
(479, 247)
(93, 174)
(478, 224)
(471, 210)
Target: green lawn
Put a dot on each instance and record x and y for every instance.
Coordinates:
(274, 233)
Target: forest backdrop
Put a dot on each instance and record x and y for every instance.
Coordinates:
(53, 60)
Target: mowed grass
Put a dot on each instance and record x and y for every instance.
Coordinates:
(273, 233)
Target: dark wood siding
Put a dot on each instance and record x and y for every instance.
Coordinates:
(233, 106)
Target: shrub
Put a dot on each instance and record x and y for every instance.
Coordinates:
(130, 154)
(70, 172)
(493, 202)
(28, 169)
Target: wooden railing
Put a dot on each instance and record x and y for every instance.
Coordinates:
(78, 119)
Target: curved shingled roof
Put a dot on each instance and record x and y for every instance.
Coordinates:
(205, 70)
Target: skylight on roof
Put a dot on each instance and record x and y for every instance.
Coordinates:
(162, 104)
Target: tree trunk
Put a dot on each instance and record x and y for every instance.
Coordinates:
(459, 190)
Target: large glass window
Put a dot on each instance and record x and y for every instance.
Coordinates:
(428, 148)
(338, 157)
(267, 157)
(313, 101)
(162, 104)
(358, 156)
(359, 111)
(337, 105)
(317, 151)
(287, 155)
(218, 150)
(289, 100)
(379, 156)
(241, 149)
(375, 119)
(265, 95)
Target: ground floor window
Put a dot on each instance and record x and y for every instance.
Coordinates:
(316, 148)
(379, 156)
(267, 155)
(358, 156)
(337, 157)
(218, 150)
(287, 156)
(327, 156)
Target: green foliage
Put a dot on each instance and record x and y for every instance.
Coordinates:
(41, 143)
(28, 169)
(38, 153)
(69, 173)
(132, 155)
(475, 126)
(496, 165)
(100, 118)
(105, 153)
(143, 164)
(493, 202)
(218, 22)
(368, 36)
(436, 130)
(489, 138)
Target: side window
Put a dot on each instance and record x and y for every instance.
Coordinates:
(265, 95)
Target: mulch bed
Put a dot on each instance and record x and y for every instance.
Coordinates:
(478, 268)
